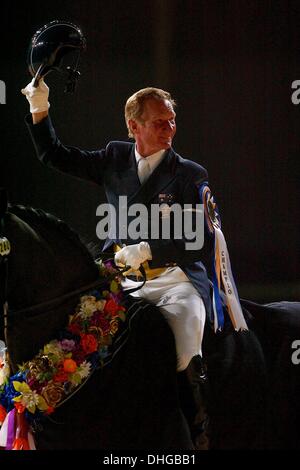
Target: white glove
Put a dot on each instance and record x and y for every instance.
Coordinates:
(37, 97)
(133, 255)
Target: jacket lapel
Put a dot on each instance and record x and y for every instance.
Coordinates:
(127, 180)
(161, 177)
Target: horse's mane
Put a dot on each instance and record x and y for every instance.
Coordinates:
(38, 217)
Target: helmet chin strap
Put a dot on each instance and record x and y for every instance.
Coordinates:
(72, 80)
(38, 76)
(73, 77)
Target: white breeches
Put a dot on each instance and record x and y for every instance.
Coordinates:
(182, 307)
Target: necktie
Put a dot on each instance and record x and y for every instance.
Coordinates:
(143, 170)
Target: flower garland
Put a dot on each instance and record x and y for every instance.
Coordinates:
(61, 366)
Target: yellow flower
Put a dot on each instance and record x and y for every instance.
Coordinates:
(114, 326)
(39, 365)
(88, 306)
(29, 398)
(100, 305)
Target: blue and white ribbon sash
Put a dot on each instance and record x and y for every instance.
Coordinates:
(222, 273)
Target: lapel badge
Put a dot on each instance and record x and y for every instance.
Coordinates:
(166, 198)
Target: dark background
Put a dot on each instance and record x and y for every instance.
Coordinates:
(230, 66)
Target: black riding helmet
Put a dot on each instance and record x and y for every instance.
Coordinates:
(48, 47)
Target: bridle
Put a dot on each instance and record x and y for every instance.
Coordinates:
(49, 304)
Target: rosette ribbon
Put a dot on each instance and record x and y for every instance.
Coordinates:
(15, 433)
(223, 281)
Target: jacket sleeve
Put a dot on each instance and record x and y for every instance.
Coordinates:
(181, 251)
(89, 165)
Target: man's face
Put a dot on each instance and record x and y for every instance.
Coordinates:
(157, 127)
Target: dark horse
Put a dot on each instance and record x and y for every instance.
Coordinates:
(133, 403)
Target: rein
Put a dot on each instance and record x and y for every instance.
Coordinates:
(47, 305)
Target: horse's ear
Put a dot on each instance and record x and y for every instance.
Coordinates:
(3, 202)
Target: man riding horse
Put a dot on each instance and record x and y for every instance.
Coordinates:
(148, 172)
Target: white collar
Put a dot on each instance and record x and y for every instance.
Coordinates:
(153, 159)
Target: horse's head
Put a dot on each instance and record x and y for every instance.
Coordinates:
(47, 260)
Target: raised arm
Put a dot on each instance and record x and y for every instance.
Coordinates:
(84, 164)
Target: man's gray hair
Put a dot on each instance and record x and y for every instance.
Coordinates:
(134, 106)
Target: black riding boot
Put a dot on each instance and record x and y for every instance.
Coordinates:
(196, 373)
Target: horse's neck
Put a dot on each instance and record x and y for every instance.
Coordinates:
(40, 270)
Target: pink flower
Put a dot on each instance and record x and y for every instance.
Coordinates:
(67, 344)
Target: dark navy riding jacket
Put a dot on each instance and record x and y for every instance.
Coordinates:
(115, 168)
